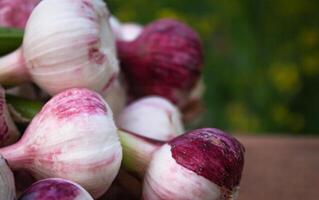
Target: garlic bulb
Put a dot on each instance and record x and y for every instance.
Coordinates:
(204, 164)
(66, 44)
(144, 126)
(73, 137)
(55, 189)
(8, 130)
(7, 188)
(15, 13)
(165, 59)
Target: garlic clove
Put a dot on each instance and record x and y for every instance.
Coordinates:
(70, 44)
(73, 137)
(55, 189)
(206, 164)
(7, 187)
(144, 126)
(15, 13)
(165, 60)
(8, 130)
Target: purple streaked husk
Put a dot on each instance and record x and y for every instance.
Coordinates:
(211, 153)
(206, 164)
(72, 137)
(55, 189)
(166, 59)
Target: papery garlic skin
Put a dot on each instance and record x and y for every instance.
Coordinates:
(69, 44)
(145, 125)
(130, 31)
(73, 137)
(165, 179)
(7, 187)
(15, 13)
(55, 189)
(8, 130)
(152, 117)
(125, 31)
(204, 164)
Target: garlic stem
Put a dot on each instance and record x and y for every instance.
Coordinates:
(13, 69)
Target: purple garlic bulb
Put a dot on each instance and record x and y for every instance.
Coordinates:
(204, 164)
(165, 60)
(55, 189)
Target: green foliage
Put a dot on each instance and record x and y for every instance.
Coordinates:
(262, 59)
(10, 39)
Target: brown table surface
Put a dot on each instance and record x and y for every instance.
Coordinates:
(280, 168)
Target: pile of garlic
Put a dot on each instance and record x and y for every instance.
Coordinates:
(115, 99)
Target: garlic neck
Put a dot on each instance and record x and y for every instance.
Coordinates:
(13, 69)
(15, 156)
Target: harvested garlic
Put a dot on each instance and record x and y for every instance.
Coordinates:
(7, 187)
(165, 60)
(73, 137)
(15, 13)
(8, 130)
(204, 164)
(55, 189)
(144, 126)
(67, 44)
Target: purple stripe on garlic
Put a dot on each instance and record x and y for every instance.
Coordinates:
(67, 44)
(204, 164)
(55, 189)
(73, 137)
(144, 126)
(7, 187)
(8, 130)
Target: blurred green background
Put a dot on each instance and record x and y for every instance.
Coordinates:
(262, 59)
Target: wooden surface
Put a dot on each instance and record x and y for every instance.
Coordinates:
(280, 168)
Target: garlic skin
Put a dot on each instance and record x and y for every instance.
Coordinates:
(66, 44)
(8, 130)
(7, 187)
(15, 13)
(75, 47)
(205, 164)
(130, 31)
(125, 31)
(116, 98)
(144, 126)
(115, 25)
(55, 189)
(73, 137)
